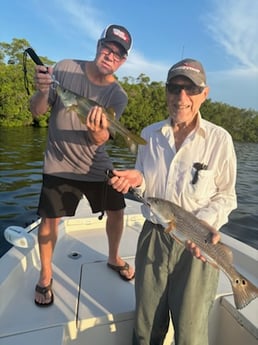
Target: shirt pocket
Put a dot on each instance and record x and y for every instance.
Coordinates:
(205, 186)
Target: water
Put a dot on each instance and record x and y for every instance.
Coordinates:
(21, 155)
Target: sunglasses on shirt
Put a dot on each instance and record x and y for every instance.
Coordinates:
(190, 90)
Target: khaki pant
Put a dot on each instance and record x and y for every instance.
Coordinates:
(170, 282)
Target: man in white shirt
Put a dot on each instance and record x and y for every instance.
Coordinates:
(192, 163)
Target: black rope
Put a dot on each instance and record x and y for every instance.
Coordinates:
(103, 199)
(104, 195)
(25, 75)
(35, 58)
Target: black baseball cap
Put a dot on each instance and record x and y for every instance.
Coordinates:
(118, 34)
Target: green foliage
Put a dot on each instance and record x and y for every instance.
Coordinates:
(147, 103)
(242, 124)
(14, 100)
(14, 109)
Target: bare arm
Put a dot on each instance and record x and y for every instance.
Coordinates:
(39, 101)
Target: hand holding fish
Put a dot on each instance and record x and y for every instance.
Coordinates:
(44, 78)
(198, 236)
(97, 124)
(82, 106)
(126, 179)
(195, 250)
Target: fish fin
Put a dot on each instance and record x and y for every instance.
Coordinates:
(171, 226)
(72, 107)
(111, 112)
(225, 251)
(244, 291)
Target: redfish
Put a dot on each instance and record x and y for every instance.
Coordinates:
(183, 225)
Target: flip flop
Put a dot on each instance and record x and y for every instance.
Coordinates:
(118, 269)
(44, 291)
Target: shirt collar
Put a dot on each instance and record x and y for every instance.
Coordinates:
(200, 125)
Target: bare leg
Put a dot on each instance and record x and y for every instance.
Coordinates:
(47, 236)
(114, 229)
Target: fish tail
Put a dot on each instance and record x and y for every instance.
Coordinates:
(130, 138)
(244, 291)
(136, 138)
(131, 144)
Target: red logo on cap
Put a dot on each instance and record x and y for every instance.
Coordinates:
(193, 68)
(121, 34)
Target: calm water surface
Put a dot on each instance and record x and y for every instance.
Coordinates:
(21, 155)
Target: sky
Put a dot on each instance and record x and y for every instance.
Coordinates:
(222, 34)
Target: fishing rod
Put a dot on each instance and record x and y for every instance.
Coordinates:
(31, 52)
(36, 59)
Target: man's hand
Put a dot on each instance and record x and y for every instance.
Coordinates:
(97, 124)
(39, 101)
(195, 250)
(43, 79)
(125, 179)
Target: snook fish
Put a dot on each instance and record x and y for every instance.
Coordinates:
(183, 225)
(82, 105)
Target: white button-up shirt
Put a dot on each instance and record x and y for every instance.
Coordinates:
(168, 173)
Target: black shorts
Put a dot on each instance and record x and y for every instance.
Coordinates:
(60, 197)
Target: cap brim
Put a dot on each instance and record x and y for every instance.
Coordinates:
(194, 79)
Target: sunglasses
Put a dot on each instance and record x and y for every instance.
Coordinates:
(190, 90)
(107, 50)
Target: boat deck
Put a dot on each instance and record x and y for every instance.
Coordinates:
(91, 301)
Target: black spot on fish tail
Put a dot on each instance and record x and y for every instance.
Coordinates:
(244, 291)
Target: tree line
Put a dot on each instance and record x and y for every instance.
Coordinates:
(147, 103)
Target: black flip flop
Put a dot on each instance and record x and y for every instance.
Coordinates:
(118, 269)
(43, 291)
